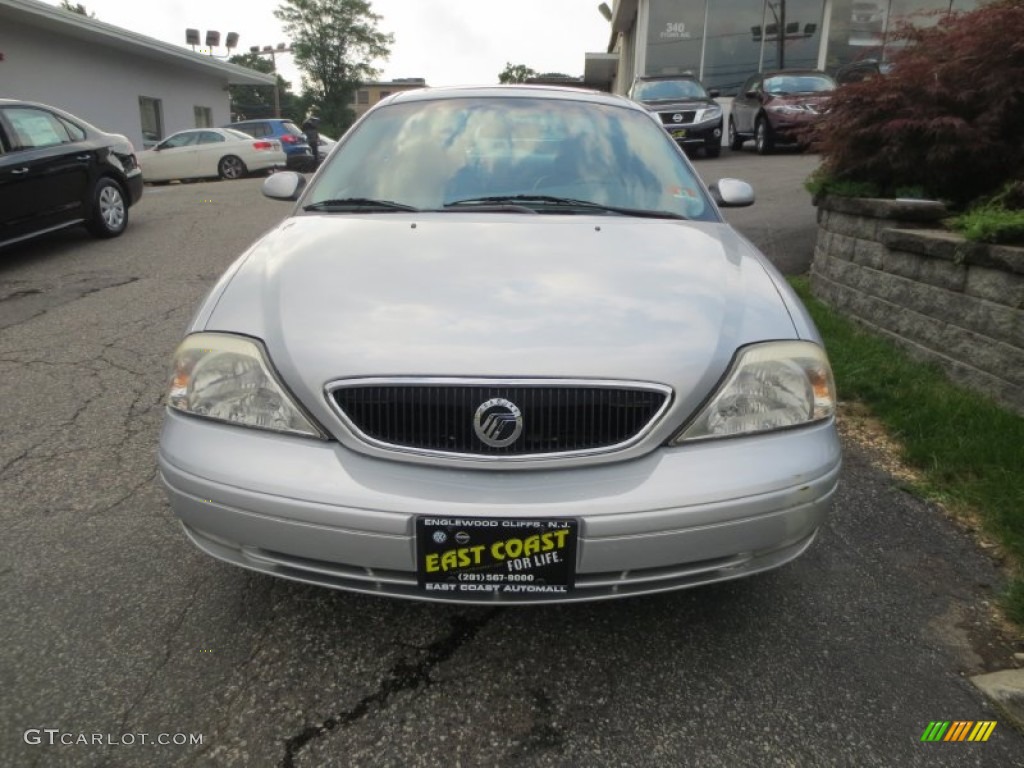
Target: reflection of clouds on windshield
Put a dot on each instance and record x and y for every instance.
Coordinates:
(427, 154)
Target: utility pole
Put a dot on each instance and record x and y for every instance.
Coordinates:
(269, 50)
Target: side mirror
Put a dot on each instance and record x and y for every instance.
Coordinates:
(286, 185)
(714, 93)
(732, 193)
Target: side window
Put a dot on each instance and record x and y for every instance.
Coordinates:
(363, 97)
(34, 128)
(180, 140)
(76, 133)
(209, 137)
(256, 130)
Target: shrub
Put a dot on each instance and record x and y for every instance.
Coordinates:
(948, 119)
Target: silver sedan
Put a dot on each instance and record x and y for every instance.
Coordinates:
(504, 350)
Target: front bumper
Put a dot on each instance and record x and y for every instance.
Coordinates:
(697, 134)
(320, 513)
(135, 184)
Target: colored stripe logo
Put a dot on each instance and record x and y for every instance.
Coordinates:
(958, 730)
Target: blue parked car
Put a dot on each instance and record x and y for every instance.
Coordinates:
(298, 153)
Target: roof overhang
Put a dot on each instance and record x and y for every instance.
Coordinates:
(54, 20)
(599, 70)
(624, 15)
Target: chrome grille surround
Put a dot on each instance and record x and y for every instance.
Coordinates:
(477, 390)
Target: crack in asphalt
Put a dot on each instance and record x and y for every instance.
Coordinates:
(168, 653)
(64, 295)
(403, 676)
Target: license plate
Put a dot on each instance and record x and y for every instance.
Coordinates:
(679, 133)
(478, 557)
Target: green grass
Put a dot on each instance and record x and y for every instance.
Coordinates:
(991, 224)
(970, 451)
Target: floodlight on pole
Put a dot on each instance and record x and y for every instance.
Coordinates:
(232, 41)
(212, 39)
(271, 51)
(192, 37)
(605, 11)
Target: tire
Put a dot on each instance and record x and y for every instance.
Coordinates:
(109, 209)
(735, 140)
(231, 168)
(712, 148)
(764, 142)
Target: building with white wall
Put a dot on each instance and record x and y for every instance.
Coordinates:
(117, 80)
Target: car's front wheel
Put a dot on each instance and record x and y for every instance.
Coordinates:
(109, 209)
(231, 167)
(735, 140)
(764, 142)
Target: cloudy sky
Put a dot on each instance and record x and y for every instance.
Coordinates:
(448, 42)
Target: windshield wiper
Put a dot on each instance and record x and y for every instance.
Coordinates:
(358, 204)
(563, 202)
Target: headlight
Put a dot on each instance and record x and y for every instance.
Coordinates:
(770, 386)
(789, 109)
(229, 378)
(710, 114)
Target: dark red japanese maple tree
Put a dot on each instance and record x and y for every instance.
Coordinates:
(949, 117)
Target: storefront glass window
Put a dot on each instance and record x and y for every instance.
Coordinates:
(734, 43)
(792, 34)
(675, 34)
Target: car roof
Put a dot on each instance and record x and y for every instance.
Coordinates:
(57, 110)
(554, 92)
(686, 76)
(775, 72)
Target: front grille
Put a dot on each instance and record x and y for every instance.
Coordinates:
(556, 419)
(687, 117)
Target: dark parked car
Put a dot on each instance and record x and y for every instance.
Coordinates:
(774, 107)
(857, 71)
(57, 171)
(686, 109)
(298, 153)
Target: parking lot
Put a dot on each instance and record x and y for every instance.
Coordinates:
(115, 625)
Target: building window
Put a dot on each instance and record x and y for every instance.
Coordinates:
(204, 117)
(152, 113)
(674, 37)
(384, 94)
(363, 97)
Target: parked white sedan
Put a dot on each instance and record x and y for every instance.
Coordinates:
(209, 152)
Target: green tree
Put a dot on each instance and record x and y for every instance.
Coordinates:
(516, 73)
(251, 101)
(335, 43)
(76, 8)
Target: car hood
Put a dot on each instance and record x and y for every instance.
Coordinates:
(499, 295)
(678, 104)
(815, 100)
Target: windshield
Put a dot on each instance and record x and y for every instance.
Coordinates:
(782, 84)
(668, 90)
(428, 154)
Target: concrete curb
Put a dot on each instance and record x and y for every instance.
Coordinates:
(1006, 691)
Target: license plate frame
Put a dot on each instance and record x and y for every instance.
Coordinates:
(496, 557)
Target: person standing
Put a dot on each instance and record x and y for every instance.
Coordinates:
(312, 130)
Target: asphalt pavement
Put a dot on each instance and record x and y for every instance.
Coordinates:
(113, 626)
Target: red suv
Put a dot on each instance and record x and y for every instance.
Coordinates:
(773, 107)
